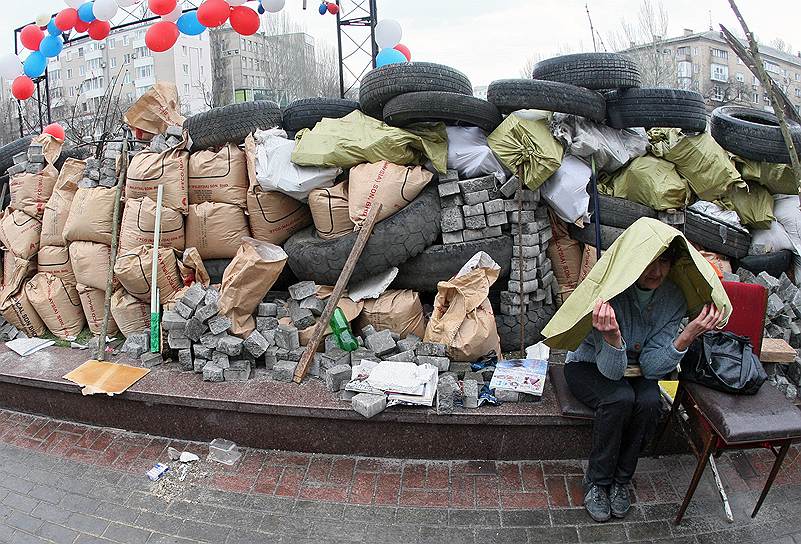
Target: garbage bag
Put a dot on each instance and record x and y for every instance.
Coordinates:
(611, 148)
(470, 155)
(524, 142)
(778, 179)
(753, 204)
(713, 210)
(156, 110)
(651, 181)
(787, 212)
(771, 240)
(566, 191)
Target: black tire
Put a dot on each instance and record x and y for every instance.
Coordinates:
(533, 323)
(216, 269)
(394, 241)
(8, 151)
(453, 108)
(653, 107)
(772, 263)
(587, 234)
(752, 134)
(381, 85)
(715, 235)
(596, 71)
(442, 262)
(231, 124)
(619, 212)
(307, 112)
(79, 153)
(510, 95)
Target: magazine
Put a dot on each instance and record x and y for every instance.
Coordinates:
(521, 375)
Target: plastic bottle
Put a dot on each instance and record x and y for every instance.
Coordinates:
(342, 333)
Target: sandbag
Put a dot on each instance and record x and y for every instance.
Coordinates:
(90, 262)
(131, 314)
(611, 148)
(14, 304)
(149, 169)
(216, 230)
(55, 260)
(651, 181)
(91, 216)
(30, 192)
(93, 302)
(57, 209)
(392, 185)
(192, 268)
(771, 240)
(571, 263)
(20, 233)
(787, 212)
(566, 191)
(156, 110)
(139, 225)
(778, 179)
(218, 176)
(469, 154)
(247, 280)
(57, 303)
(526, 147)
(134, 269)
(330, 211)
(399, 311)
(753, 204)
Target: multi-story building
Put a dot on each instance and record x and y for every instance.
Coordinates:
(704, 62)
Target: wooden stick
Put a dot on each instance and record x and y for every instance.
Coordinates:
(342, 283)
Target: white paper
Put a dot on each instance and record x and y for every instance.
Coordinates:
(538, 351)
(28, 346)
(372, 287)
(431, 376)
(398, 377)
(479, 260)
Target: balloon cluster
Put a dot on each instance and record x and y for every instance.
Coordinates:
(328, 7)
(388, 34)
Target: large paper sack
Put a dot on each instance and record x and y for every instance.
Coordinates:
(216, 230)
(156, 110)
(20, 233)
(392, 185)
(131, 314)
(219, 176)
(57, 303)
(93, 302)
(55, 260)
(30, 192)
(330, 211)
(57, 209)
(397, 311)
(90, 262)
(148, 170)
(14, 303)
(134, 269)
(91, 216)
(139, 224)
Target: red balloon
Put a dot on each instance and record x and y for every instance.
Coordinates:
(333, 9)
(245, 21)
(22, 88)
(162, 36)
(56, 131)
(80, 26)
(66, 19)
(213, 13)
(405, 50)
(161, 7)
(99, 30)
(31, 36)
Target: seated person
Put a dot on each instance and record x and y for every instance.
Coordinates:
(638, 329)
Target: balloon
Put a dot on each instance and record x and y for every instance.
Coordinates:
(236, 2)
(51, 46)
(244, 20)
(86, 12)
(260, 9)
(333, 9)
(42, 20)
(10, 66)
(80, 26)
(161, 7)
(273, 6)
(73, 3)
(161, 36)
(389, 56)
(213, 13)
(105, 10)
(35, 65)
(127, 3)
(22, 88)
(52, 29)
(322, 9)
(189, 25)
(388, 33)
(405, 50)
(56, 131)
(174, 15)
(66, 19)
(99, 30)
(31, 36)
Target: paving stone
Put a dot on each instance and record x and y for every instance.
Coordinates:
(195, 329)
(194, 295)
(337, 357)
(185, 360)
(449, 175)
(494, 206)
(284, 371)
(460, 368)
(202, 351)
(136, 344)
(178, 340)
(507, 297)
(301, 317)
(528, 252)
(448, 188)
(472, 210)
(441, 363)
(315, 305)
(221, 359)
(451, 201)
(471, 388)
(471, 235)
(507, 396)
(271, 357)
(381, 343)
(199, 364)
(170, 320)
(150, 360)
(264, 324)
(230, 345)
(337, 378)
(256, 344)
(515, 275)
(207, 311)
(220, 324)
(237, 374)
(302, 290)
(362, 353)
(410, 342)
(212, 296)
(267, 309)
(430, 349)
(475, 222)
(445, 395)
(211, 340)
(213, 373)
(402, 357)
(368, 330)
(497, 219)
(478, 197)
(452, 220)
(296, 354)
(286, 337)
(183, 310)
(477, 184)
(511, 186)
(452, 237)
(369, 405)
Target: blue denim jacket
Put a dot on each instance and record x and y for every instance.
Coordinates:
(647, 335)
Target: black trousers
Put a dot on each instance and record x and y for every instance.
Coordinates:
(626, 413)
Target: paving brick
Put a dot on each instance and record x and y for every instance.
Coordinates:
(477, 197)
(475, 222)
(302, 290)
(448, 188)
(452, 220)
(455, 238)
(471, 210)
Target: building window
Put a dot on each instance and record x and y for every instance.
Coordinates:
(696, 69)
(183, 49)
(82, 70)
(695, 51)
(186, 88)
(127, 79)
(720, 72)
(186, 69)
(772, 67)
(756, 81)
(144, 71)
(142, 52)
(113, 62)
(125, 40)
(797, 76)
(682, 52)
(798, 93)
(717, 94)
(69, 73)
(80, 52)
(720, 54)
(112, 43)
(740, 77)
(685, 69)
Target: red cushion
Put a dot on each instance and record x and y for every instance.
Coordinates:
(749, 303)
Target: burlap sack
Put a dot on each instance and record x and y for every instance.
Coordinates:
(393, 185)
(57, 303)
(192, 268)
(156, 110)
(329, 209)
(131, 314)
(90, 262)
(148, 170)
(91, 216)
(20, 233)
(93, 302)
(219, 176)
(134, 268)
(397, 311)
(247, 280)
(57, 209)
(56, 260)
(216, 230)
(139, 225)
(14, 304)
(30, 192)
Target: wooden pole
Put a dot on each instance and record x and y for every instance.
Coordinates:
(342, 283)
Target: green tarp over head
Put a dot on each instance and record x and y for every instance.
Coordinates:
(753, 204)
(621, 266)
(651, 181)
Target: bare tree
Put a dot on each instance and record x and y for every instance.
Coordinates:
(528, 66)
(781, 45)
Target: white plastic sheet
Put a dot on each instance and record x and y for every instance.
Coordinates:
(764, 241)
(612, 148)
(566, 191)
(711, 209)
(787, 212)
(469, 154)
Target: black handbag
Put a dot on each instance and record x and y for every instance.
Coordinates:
(723, 361)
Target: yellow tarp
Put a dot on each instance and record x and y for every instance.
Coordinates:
(778, 179)
(651, 181)
(753, 204)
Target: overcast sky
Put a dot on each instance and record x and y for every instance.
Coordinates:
(493, 39)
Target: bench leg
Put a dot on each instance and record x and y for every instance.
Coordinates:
(772, 476)
(675, 404)
(703, 459)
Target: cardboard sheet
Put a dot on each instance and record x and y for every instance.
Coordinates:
(105, 377)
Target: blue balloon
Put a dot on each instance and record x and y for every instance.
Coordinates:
(51, 46)
(35, 65)
(52, 28)
(389, 56)
(189, 25)
(323, 9)
(260, 9)
(85, 12)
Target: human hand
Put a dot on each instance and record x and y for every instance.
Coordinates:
(707, 320)
(605, 322)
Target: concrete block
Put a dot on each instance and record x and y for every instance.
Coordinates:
(381, 343)
(546, 235)
(513, 310)
(452, 237)
(185, 360)
(271, 357)
(431, 349)
(548, 279)
(767, 281)
(230, 345)
(267, 309)
(194, 295)
(471, 389)
(368, 330)
(368, 405)
(286, 337)
(445, 396)
(256, 344)
(195, 329)
(171, 321)
(451, 201)
(511, 186)
(475, 222)
(775, 306)
(451, 219)
(403, 357)
(441, 363)
(460, 368)
(477, 184)
(410, 342)
(476, 376)
(450, 175)
(494, 206)
(471, 210)
(221, 359)
(527, 287)
(183, 310)
(507, 396)
(211, 340)
(523, 217)
(470, 235)
(212, 296)
(202, 352)
(529, 240)
(199, 365)
(497, 219)
(517, 275)
(213, 373)
(178, 340)
(135, 345)
(295, 354)
(545, 268)
(315, 305)
(301, 317)
(220, 324)
(492, 232)
(479, 197)
(362, 353)
(149, 360)
(746, 276)
(237, 374)
(207, 311)
(18, 169)
(336, 357)
(448, 188)
(507, 297)
(337, 378)
(302, 290)
(20, 158)
(264, 324)
(284, 371)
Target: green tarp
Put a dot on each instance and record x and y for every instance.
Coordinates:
(753, 203)
(621, 266)
(651, 181)
(778, 179)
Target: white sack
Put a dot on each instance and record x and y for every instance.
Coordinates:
(469, 154)
(787, 212)
(566, 190)
(764, 241)
(711, 209)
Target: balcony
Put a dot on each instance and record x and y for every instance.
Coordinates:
(142, 82)
(91, 55)
(143, 61)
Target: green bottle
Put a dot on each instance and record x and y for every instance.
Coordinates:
(344, 337)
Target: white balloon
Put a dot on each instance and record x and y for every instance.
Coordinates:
(175, 14)
(10, 67)
(73, 3)
(105, 10)
(388, 33)
(236, 2)
(127, 3)
(43, 19)
(273, 6)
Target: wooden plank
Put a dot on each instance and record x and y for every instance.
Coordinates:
(342, 283)
(776, 350)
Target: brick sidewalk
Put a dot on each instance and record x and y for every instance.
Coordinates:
(73, 483)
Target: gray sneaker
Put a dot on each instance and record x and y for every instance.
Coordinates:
(619, 499)
(596, 501)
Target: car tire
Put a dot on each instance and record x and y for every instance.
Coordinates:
(621, 213)
(510, 95)
(587, 235)
(752, 134)
(773, 263)
(8, 151)
(596, 71)
(307, 112)
(533, 322)
(649, 107)
(231, 124)
(715, 235)
(452, 108)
